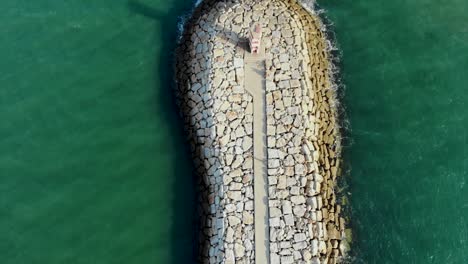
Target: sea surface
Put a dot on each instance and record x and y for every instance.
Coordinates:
(93, 165)
(405, 67)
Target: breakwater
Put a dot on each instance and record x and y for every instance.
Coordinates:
(301, 135)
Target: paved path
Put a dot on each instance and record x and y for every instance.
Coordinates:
(255, 85)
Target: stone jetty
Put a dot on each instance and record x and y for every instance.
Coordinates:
(262, 122)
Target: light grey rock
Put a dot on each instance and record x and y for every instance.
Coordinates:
(233, 220)
(294, 190)
(229, 235)
(274, 222)
(238, 63)
(226, 179)
(316, 155)
(247, 218)
(240, 131)
(295, 83)
(239, 250)
(284, 84)
(270, 86)
(235, 195)
(217, 81)
(275, 212)
(239, 207)
(287, 259)
(312, 188)
(237, 162)
(289, 160)
(271, 130)
(236, 173)
(281, 182)
(234, 124)
(298, 199)
(281, 142)
(273, 163)
(249, 192)
(312, 202)
(315, 260)
(229, 159)
(282, 194)
(218, 52)
(224, 140)
(272, 180)
(314, 247)
(285, 244)
(299, 169)
(248, 245)
(283, 57)
(238, 89)
(289, 220)
(318, 178)
(297, 256)
(322, 246)
(230, 257)
(287, 208)
(249, 206)
(273, 246)
(224, 106)
(247, 163)
(299, 237)
(231, 77)
(230, 208)
(271, 142)
(274, 203)
(247, 143)
(280, 129)
(235, 186)
(303, 181)
(299, 210)
(297, 140)
(300, 245)
(275, 258)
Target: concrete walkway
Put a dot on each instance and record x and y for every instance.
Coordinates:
(254, 67)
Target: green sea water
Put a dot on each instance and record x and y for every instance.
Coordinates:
(405, 67)
(93, 166)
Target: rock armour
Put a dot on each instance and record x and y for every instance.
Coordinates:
(302, 133)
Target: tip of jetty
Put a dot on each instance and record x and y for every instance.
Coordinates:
(263, 132)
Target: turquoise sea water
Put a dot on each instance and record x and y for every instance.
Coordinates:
(93, 167)
(405, 66)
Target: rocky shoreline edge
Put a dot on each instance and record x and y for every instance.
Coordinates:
(306, 224)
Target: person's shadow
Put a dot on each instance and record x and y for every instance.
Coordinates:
(183, 234)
